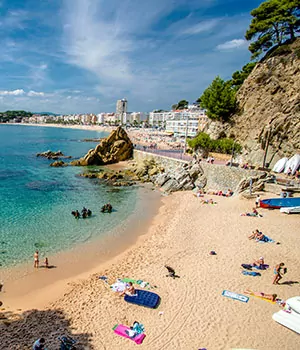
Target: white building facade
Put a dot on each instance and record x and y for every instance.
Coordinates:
(180, 122)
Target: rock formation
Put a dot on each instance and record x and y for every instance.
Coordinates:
(269, 108)
(116, 147)
(52, 155)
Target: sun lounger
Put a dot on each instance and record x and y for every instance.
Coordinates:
(143, 298)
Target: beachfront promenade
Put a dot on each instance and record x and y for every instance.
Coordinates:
(172, 153)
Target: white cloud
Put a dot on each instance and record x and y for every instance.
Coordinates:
(17, 92)
(204, 26)
(32, 93)
(232, 44)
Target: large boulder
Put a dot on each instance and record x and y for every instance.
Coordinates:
(115, 148)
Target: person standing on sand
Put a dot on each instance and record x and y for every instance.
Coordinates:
(277, 272)
(36, 259)
(257, 201)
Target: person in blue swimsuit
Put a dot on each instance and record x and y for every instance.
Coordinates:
(277, 273)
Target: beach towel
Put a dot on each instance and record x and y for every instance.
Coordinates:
(265, 240)
(261, 267)
(143, 298)
(250, 273)
(118, 286)
(124, 330)
(235, 296)
(247, 266)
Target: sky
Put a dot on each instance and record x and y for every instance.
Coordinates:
(81, 56)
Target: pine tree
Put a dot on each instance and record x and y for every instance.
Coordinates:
(219, 100)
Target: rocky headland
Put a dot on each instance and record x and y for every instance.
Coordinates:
(113, 149)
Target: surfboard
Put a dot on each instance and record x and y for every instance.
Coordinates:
(290, 210)
(292, 163)
(280, 165)
(295, 163)
(294, 303)
(289, 320)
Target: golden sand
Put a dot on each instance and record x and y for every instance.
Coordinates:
(193, 313)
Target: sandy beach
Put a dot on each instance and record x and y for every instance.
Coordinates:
(192, 314)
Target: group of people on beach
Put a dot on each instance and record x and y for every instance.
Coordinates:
(84, 213)
(37, 261)
(279, 269)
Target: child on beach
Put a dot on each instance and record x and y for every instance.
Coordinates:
(46, 262)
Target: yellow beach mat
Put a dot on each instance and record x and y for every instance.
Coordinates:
(260, 297)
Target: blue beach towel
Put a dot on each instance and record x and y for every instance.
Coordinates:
(235, 296)
(261, 267)
(266, 240)
(250, 273)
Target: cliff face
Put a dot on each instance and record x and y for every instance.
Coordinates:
(269, 108)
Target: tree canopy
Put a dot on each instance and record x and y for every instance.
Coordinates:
(273, 22)
(219, 100)
(203, 142)
(182, 104)
(6, 116)
(239, 77)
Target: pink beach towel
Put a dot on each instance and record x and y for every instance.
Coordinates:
(120, 330)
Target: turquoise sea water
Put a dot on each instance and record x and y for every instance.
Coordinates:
(37, 200)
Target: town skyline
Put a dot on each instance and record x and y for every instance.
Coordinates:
(79, 57)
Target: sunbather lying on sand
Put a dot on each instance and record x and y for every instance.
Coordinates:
(271, 297)
(259, 262)
(255, 234)
(254, 213)
(199, 193)
(208, 201)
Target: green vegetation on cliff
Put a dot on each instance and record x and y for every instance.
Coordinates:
(219, 100)
(8, 115)
(273, 22)
(204, 143)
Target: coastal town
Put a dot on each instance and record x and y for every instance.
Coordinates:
(189, 120)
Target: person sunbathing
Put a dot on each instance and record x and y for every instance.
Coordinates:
(208, 201)
(129, 290)
(271, 297)
(259, 262)
(228, 193)
(260, 237)
(254, 213)
(254, 234)
(199, 193)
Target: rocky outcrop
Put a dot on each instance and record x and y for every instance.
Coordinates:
(58, 163)
(182, 178)
(52, 155)
(116, 147)
(269, 108)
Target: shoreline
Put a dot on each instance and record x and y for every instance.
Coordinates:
(21, 282)
(181, 235)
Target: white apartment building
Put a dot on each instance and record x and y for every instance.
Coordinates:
(138, 117)
(121, 107)
(183, 127)
(159, 118)
(176, 121)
